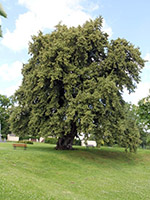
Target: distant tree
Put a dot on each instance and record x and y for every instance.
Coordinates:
(5, 104)
(73, 83)
(3, 14)
(143, 113)
(130, 138)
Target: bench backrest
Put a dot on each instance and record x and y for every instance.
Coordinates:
(19, 145)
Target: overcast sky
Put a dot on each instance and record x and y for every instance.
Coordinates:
(129, 19)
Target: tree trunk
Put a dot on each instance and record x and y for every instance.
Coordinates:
(66, 141)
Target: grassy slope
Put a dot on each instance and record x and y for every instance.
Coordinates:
(42, 173)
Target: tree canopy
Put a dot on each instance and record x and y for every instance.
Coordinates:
(73, 83)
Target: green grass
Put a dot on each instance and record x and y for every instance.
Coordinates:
(42, 173)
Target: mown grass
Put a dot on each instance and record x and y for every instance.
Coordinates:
(42, 173)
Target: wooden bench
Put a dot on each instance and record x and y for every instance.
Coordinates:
(20, 145)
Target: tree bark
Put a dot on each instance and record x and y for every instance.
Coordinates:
(66, 141)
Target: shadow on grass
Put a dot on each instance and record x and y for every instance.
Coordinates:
(108, 154)
(41, 148)
(88, 154)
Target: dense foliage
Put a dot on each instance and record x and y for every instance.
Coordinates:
(73, 83)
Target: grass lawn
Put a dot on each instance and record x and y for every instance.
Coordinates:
(42, 173)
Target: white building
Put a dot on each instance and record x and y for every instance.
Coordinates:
(90, 143)
(12, 137)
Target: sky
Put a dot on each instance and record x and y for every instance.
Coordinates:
(129, 19)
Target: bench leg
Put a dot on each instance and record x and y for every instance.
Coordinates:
(14, 147)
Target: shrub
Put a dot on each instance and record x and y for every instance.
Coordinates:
(51, 140)
(21, 138)
(34, 137)
(27, 137)
(25, 142)
(28, 142)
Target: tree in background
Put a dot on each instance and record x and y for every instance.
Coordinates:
(5, 104)
(3, 14)
(130, 138)
(143, 113)
(73, 83)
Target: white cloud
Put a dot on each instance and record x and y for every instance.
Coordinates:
(141, 92)
(147, 57)
(107, 29)
(25, 27)
(45, 14)
(10, 78)
(143, 88)
(147, 64)
(10, 72)
(10, 90)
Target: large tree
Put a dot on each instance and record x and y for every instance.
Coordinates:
(3, 14)
(73, 83)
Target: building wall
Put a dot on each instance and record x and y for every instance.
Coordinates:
(89, 142)
(12, 138)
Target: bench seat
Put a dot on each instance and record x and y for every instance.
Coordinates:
(20, 145)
